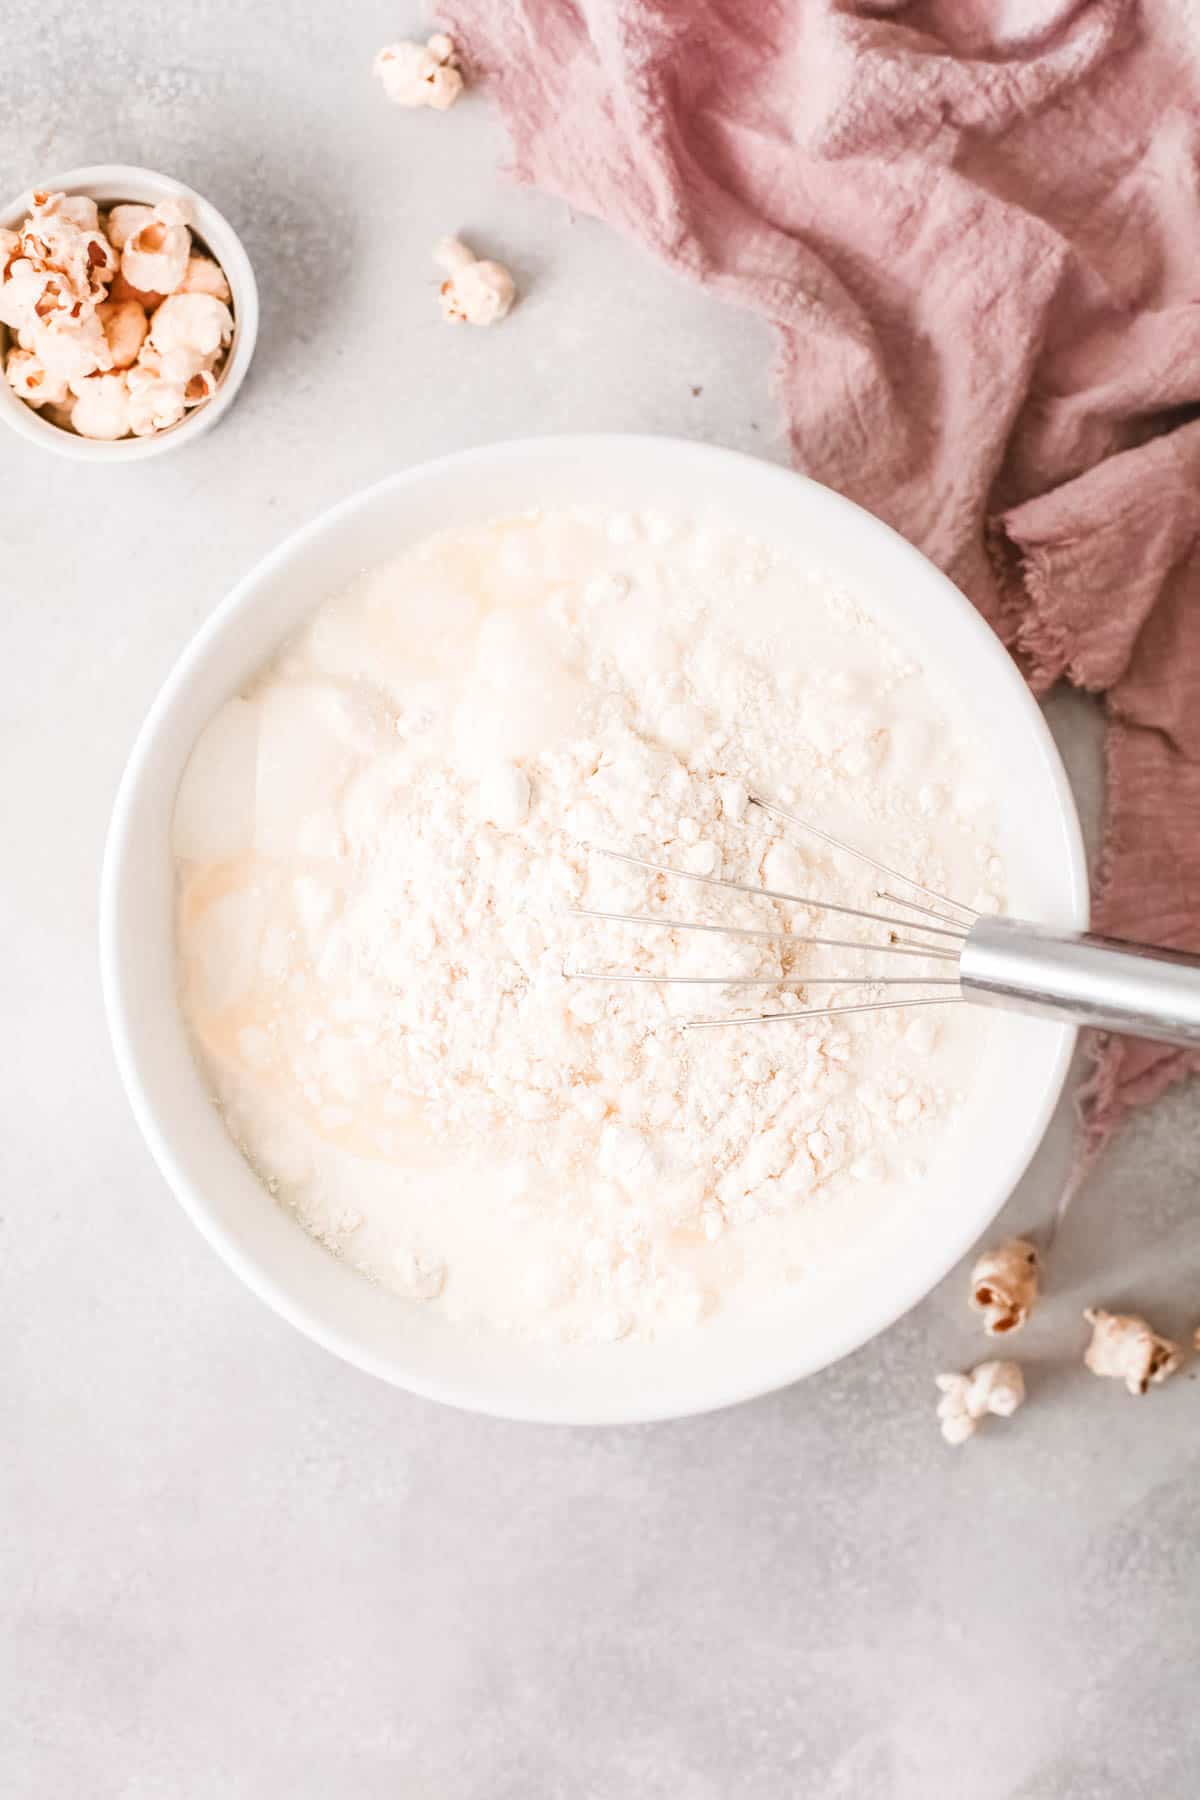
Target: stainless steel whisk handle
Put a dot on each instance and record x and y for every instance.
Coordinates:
(1097, 981)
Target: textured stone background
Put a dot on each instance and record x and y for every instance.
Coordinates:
(232, 1567)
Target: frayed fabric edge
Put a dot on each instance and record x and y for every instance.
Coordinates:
(1031, 619)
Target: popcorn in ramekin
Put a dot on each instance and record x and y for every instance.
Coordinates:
(121, 325)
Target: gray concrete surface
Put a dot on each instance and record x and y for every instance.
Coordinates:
(233, 1569)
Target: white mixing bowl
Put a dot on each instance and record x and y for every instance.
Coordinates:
(730, 1358)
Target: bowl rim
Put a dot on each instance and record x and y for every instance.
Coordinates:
(157, 1132)
(110, 183)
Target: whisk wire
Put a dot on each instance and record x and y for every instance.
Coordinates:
(950, 928)
(956, 929)
(818, 1012)
(767, 981)
(826, 837)
(773, 937)
(912, 906)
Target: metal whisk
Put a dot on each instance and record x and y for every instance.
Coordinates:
(1068, 976)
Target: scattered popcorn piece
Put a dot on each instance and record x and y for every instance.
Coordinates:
(125, 326)
(451, 254)
(155, 256)
(420, 74)
(101, 408)
(1126, 1348)
(204, 276)
(193, 322)
(476, 292)
(1004, 1285)
(31, 381)
(992, 1387)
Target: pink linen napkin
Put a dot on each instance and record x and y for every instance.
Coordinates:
(975, 227)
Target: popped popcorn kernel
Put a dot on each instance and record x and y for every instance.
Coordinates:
(70, 348)
(991, 1387)
(10, 249)
(101, 408)
(124, 222)
(200, 386)
(155, 256)
(174, 367)
(61, 236)
(24, 289)
(125, 326)
(77, 209)
(154, 404)
(125, 290)
(476, 292)
(204, 276)
(420, 74)
(196, 322)
(1126, 1349)
(28, 379)
(1004, 1285)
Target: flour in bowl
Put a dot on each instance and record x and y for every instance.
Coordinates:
(380, 844)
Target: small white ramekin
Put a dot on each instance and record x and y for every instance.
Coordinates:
(107, 184)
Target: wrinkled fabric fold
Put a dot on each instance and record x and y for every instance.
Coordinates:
(975, 228)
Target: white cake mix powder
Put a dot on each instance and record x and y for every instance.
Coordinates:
(379, 845)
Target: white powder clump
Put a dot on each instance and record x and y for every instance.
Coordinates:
(419, 1277)
(504, 796)
(383, 847)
